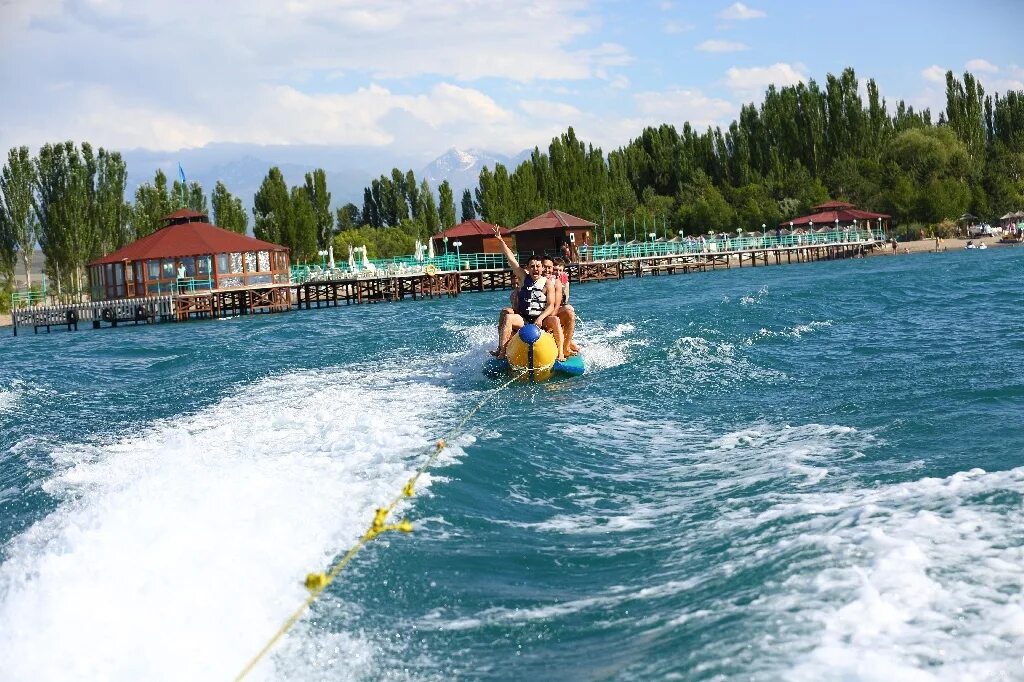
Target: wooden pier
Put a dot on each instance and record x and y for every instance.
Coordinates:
(387, 287)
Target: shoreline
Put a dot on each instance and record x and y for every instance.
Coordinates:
(905, 248)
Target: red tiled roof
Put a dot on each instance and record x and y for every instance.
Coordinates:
(832, 205)
(187, 239)
(470, 228)
(845, 216)
(184, 213)
(553, 219)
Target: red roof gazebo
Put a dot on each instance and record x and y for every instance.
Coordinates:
(549, 231)
(841, 214)
(476, 237)
(187, 248)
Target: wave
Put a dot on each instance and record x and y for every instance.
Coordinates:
(204, 526)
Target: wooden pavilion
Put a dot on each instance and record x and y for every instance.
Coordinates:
(547, 233)
(187, 249)
(476, 236)
(839, 214)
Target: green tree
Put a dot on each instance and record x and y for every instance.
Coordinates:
(152, 203)
(227, 210)
(303, 246)
(427, 211)
(446, 209)
(272, 211)
(63, 210)
(112, 212)
(468, 207)
(348, 217)
(320, 201)
(20, 223)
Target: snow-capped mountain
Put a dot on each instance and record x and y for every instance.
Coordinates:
(461, 168)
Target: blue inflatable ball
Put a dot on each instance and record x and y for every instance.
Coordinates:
(530, 333)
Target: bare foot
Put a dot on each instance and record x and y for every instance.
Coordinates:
(573, 347)
(560, 358)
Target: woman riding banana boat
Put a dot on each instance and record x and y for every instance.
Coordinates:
(535, 334)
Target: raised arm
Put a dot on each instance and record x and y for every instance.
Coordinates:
(509, 256)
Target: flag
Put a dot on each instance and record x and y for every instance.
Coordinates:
(181, 174)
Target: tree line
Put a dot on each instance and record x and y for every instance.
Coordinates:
(802, 145)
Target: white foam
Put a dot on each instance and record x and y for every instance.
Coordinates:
(11, 395)
(176, 554)
(919, 580)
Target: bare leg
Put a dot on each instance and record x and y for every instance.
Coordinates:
(553, 325)
(505, 312)
(509, 324)
(568, 318)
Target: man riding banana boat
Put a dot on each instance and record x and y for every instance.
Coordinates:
(531, 333)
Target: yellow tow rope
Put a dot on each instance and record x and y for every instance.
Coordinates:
(316, 583)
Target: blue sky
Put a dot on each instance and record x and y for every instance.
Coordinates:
(423, 76)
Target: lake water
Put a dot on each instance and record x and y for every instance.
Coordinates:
(785, 473)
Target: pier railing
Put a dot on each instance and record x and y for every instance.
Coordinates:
(700, 244)
(398, 266)
(408, 265)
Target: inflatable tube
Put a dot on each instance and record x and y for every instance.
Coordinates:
(532, 353)
(107, 314)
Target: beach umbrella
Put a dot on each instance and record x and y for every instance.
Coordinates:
(330, 255)
(430, 248)
(351, 258)
(366, 261)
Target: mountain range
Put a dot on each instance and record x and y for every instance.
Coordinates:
(242, 168)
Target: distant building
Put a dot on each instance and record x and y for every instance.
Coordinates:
(833, 214)
(188, 249)
(475, 236)
(549, 231)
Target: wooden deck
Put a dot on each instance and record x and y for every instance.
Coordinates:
(279, 298)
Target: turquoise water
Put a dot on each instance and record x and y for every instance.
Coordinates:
(801, 473)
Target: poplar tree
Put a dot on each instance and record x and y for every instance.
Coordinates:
(227, 210)
(468, 207)
(427, 211)
(320, 201)
(446, 209)
(303, 245)
(63, 209)
(272, 211)
(112, 212)
(152, 203)
(20, 222)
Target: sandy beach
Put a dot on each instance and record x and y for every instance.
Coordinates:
(919, 246)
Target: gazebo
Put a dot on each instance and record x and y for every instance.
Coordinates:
(187, 249)
(839, 214)
(549, 231)
(476, 236)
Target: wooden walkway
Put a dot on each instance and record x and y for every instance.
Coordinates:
(222, 303)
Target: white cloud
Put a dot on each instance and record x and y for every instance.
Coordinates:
(721, 46)
(266, 72)
(557, 111)
(678, 105)
(981, 65)
(619, 82)
(740, 12)
(676, 27)
(760, 77)
(934, 73)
